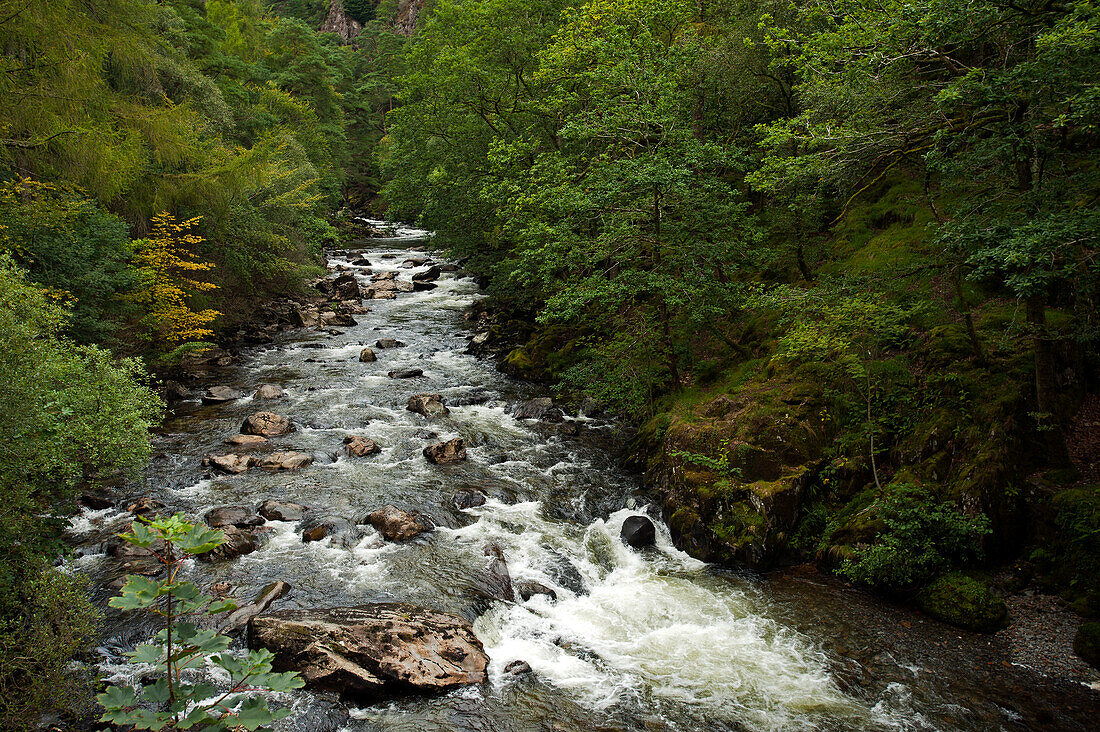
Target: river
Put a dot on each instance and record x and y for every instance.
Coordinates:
(649, 640)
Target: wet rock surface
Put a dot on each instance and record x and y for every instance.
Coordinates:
(446, 453)
(428, 405)
(372, 650)
(398, 525)
(266, 424)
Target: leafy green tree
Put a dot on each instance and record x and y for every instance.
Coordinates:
(177, 699)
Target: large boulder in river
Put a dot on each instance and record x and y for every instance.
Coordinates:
(443, 453)
(346, 287)
(237, 543)
(367, 356)
(428, 405)
(318, 528)
(232, 464)
(388, 343)
(373, 650)
(266, 424)
(638, 532)
(429, 275)
(239, 516)
(220, 395)
(357, 446)
(285, 461)
(274, 510)
(468, 498)
(406, 373)
(398, 525)
(269, 391)
(542, 409)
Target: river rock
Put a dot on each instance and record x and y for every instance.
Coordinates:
(406, 373)
(414, 262)
(306, 316)
(175, 391)
(518, 668)
(429, 275)
(428, 405)
(388, 343)
(398, 525)
(238, 542)
(220, 395)
(468, 498)
(380, 294)
(528, 589)
(373, 650)
(269, 391)
(342, 320)
(285, 461)
(342, 532)
(423, 286)
(542, 409)
(239, 516)
(274, 510)
(443, 453)
(367, 356)
(383, 276)
(264, 598)
(498, 579)
(232, 464)
(346, 287)
(266, 424)
(638, 532)
(361, 446)
(146, 507)
(245, 440)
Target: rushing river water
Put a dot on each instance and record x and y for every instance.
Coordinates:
(648, 640)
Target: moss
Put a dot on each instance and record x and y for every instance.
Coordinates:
(1086, 643)
(739, 526)
(964, 602)
(683, 520)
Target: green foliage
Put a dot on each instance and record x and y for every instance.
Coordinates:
(55, 622)
(963, 601)
(922, 537)
(179, 699)
(72, 417)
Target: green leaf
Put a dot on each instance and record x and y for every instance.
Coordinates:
(138, 592)
(117, 697)
(254, 713)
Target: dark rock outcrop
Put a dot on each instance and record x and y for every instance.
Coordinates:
(220, 395)
(371, 650)
(269, 391)
(468, 498)
(542, 409)
(340, 530)
(406, 373)
(367, 356)
(269, 594)
(528, 589)
(238, 542)
(239, 516)
(388, 343)
(285, 461)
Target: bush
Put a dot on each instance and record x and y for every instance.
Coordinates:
(922, 537)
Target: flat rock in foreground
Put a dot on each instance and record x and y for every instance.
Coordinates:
(371, 650)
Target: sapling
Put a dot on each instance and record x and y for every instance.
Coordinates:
(177, 700)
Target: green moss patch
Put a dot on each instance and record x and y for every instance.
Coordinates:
(964, 602)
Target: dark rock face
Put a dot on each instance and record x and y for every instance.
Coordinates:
(469, 499)
(238, 542)
(498, 579)
(428, 405)
(388, 343)
(175, 391)
(398, 525)
(372, 650)
(220, 395)
(423, 286)
(269, 391)
(285, 461)
(527, 589)
(239, 516)
(638, 532)
(367, 356)
(444, 453)
(266, 424)
(518, 668)
(357, 446)
(542, 409)
(407, 373)
(273, 510)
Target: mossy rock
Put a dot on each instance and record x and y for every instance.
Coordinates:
(1086, 643)
(964, 602)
